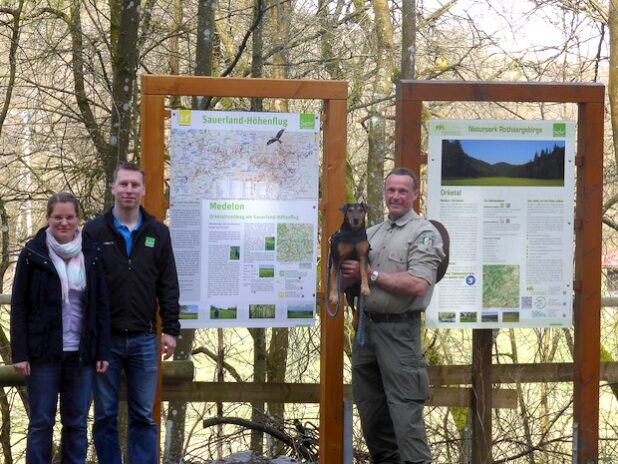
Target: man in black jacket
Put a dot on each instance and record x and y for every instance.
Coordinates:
(141, 272)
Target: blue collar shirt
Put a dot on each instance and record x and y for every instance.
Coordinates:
(126, 233)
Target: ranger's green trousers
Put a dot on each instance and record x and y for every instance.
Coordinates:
(390, 384)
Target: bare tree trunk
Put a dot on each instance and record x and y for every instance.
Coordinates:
(259, 335)
(280, 23)
(204, 48)
(408, 38)
(257, 53)
(382, 90)
(277, 364)
(328, 37)
(5, 428)
(203, 67)
(521, 399)
(259, 376)
(5, 255)
(5, 351)
(5, 410)
(104, 149)
(612, 85)
(220, 378)
(177, 410)
(12, 72)
(278, 351)
(124, 65)
(174, 58)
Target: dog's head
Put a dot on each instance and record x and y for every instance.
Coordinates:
(354, 214)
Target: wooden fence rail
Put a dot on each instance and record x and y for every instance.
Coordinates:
(450, 384)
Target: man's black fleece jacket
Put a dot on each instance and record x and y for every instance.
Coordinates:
(137, 282)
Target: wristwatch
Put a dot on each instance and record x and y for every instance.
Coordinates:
(374, 276)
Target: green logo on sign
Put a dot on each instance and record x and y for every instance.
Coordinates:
(307, 121)
(149, 242)
(559, 129)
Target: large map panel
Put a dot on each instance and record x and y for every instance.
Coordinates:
(244, 192)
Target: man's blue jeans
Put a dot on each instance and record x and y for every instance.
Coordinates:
(137, 355)
(73, 383)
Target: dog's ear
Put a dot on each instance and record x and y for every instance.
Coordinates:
(344, 208)
(365, 206)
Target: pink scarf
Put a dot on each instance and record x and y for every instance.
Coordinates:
(68, 260)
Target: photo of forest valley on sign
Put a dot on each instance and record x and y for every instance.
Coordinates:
(527, 163)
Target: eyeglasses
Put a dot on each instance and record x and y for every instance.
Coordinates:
(58, 218)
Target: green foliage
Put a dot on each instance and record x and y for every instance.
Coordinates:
(460, 417)
(606, 356)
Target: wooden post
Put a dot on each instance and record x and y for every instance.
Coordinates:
(408, 132)
(153, 153)
(481, 396)
(331, 340)
(587, 307)
(408, 138)
(334, 94)
(587, 285)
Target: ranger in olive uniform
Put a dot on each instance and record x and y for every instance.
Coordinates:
(389, 373)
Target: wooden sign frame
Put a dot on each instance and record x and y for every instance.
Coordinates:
(154, 90)
(590, 98)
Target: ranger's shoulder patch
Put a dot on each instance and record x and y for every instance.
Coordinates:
(426, 240)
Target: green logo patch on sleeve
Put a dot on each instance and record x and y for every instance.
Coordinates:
(426, 241)
(149, 242)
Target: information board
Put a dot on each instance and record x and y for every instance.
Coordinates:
(505, 192)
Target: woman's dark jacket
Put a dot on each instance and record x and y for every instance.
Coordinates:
(36, 306)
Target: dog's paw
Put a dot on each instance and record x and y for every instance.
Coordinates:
(365, 290)
(333, 298)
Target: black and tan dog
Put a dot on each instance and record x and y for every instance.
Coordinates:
(349, 242)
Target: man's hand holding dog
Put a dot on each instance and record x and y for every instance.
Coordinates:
(401, 283)
(350, 272)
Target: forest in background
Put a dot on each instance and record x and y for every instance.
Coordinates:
(69, 112)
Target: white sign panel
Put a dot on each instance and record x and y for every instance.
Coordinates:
(505, 192)
(244, 214)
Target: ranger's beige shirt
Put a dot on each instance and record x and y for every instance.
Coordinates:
(411, 244)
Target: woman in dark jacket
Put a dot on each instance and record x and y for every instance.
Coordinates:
(59, 330)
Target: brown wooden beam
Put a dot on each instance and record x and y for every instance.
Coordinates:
(152, 84)
(179, 372)
(557, 92)
(517, 373)
(230, 392)
(173, 372)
